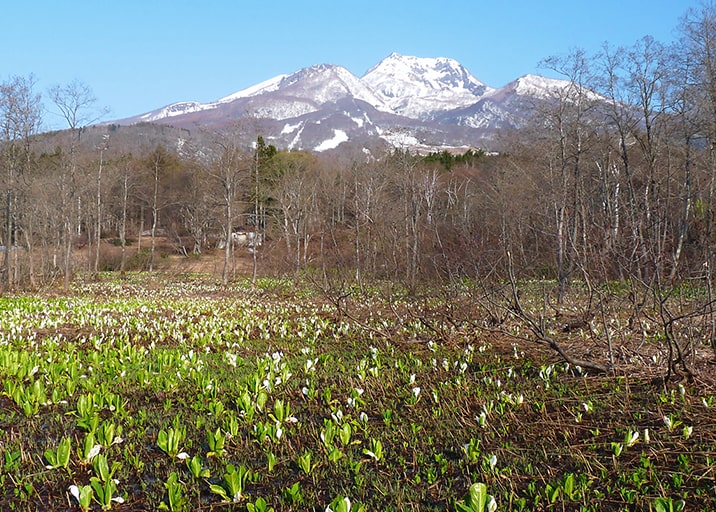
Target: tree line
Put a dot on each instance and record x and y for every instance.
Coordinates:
(613, 177)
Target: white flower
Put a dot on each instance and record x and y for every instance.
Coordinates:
(75, 491)
(493, 461)
(93, 453)
(492, 505)
(416, 391)
(182, 456)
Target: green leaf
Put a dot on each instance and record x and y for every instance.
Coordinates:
(217, 489)
(478, 496)
(569, 485)
(669, 505)
(552, 493)
(345, 434)
(63, 453)
(51, 457)
(195, 467)
(59, 458)
(259, 506)
(101, 467)
(477, 500)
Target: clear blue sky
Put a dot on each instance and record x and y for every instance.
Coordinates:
(138, 55)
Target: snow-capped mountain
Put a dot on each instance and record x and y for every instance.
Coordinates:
(421, 87)
(508, 107)
(409, 101)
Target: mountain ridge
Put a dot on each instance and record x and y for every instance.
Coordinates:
(435, 102)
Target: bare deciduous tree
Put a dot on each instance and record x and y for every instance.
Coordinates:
(76, 104)
(20, 118)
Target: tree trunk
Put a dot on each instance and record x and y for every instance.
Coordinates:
(155, 215)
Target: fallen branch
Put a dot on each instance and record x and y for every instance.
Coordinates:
(538, 329)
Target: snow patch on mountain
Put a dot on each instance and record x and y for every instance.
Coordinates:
(282, 109)
(290, 128)
(175, 109)
(339, 136)
(296, 141)
(399, 138)
(490, 114)
(359, 121)
(264, 87)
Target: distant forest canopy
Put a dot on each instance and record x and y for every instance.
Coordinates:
(618, 185)
(449, 160)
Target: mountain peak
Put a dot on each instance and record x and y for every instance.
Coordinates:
(543, 88)
(535, 85)
(328, 83)
(439, 72)
(420, 87)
